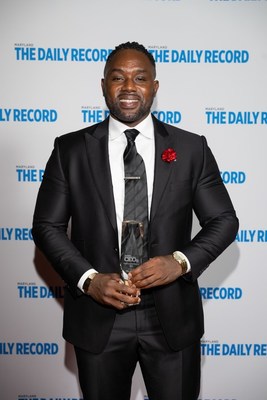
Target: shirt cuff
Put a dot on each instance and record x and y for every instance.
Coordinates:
(84, 277)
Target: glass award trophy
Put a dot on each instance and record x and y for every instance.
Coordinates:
(132, 246)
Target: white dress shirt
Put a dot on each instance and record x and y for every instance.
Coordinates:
(145, 145)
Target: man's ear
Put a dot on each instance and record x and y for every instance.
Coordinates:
(156, 86)
(103, 86)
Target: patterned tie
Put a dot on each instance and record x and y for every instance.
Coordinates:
(135, 225)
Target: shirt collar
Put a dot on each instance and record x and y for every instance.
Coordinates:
(117, 128)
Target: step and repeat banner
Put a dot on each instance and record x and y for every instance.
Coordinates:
(211, 60)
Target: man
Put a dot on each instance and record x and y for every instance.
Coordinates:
(154, 316)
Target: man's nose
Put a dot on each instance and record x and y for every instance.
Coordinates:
(129, 85)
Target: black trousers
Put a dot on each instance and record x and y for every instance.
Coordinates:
(137, 337)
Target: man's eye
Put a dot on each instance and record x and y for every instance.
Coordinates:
(117, 78)
(140, 78)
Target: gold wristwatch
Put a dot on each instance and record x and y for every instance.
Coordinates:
(88, 281)
(178, 256)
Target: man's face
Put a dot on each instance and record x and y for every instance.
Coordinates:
(129, 86)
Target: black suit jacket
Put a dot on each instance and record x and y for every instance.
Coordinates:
(77, 187)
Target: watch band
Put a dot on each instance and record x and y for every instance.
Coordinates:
(181, 260)
(88, 281)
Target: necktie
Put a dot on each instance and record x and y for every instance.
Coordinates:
(135, 224)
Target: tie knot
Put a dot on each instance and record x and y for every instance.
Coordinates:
(131, 134)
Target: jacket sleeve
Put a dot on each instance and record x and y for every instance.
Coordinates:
(50, 223)
(216, 215)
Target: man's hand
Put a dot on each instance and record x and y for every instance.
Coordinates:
(155, 272)
(110, 290)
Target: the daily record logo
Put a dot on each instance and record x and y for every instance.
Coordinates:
(15, 233)
(25, 397)
(194, 56)
(233, 177)
(29, 174)
(218, 398)
(28, 115)
(95, 114)
(28, 348)
(31, 53)
(220, 293)
(31, 397)
(251, 236)
(24, 52)
(214, 348)
(235, 1)
(32, 174)
(33, 291)
(165, 1)
(25, 234)
(220, 116)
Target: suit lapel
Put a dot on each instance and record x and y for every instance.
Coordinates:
(162, 172)
(98, 159)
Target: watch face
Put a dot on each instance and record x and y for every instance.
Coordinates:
(177, 256)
